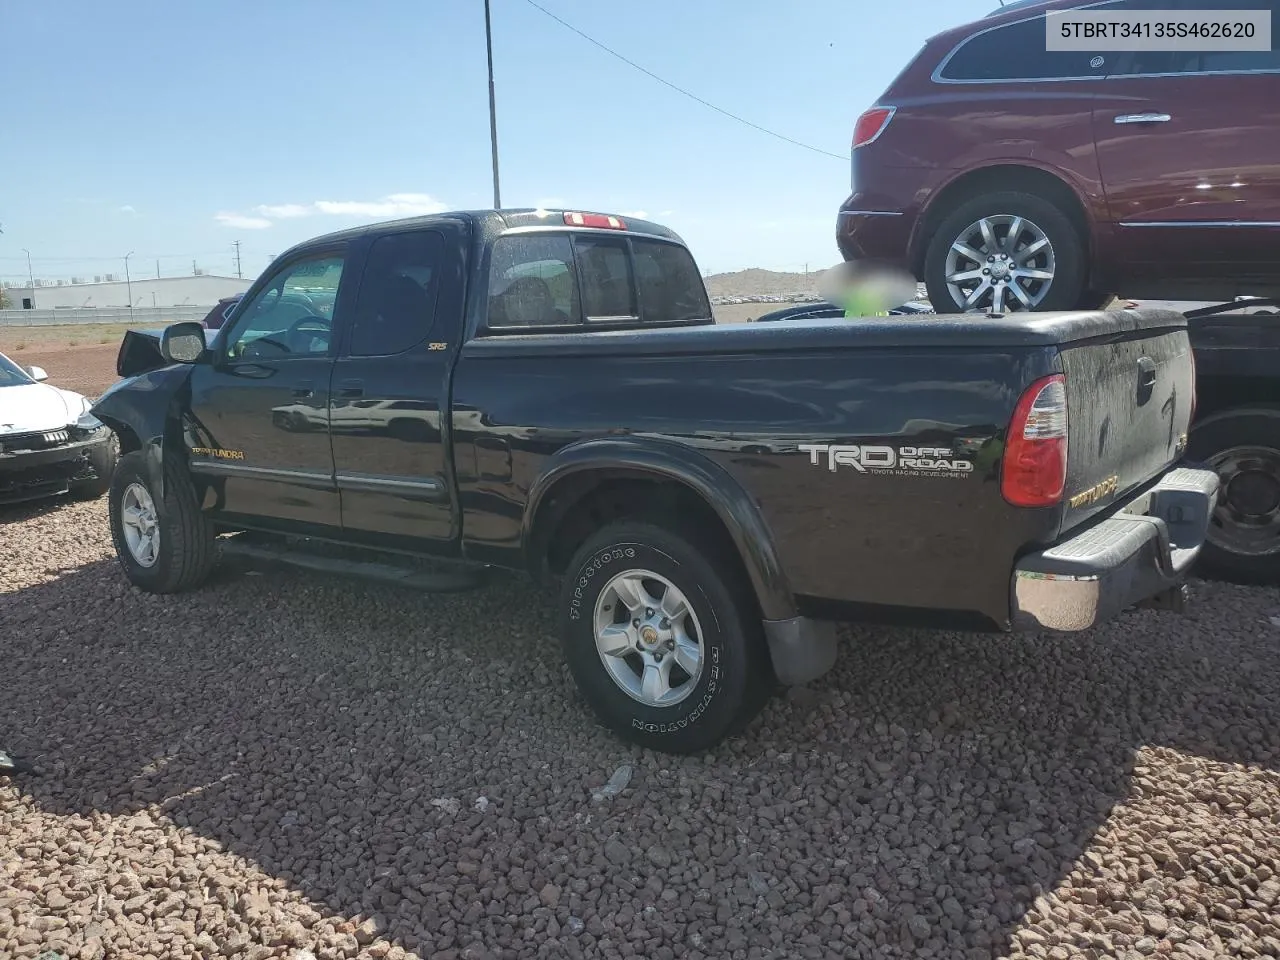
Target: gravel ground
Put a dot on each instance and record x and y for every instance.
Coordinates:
(284, 765)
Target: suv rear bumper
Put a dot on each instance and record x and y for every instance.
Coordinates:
(1141, 553)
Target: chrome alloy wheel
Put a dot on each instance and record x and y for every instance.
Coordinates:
(140, 525)
(648, 638)
(999, 264)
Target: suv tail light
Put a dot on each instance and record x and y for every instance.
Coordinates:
(871, 124)
(1034, 469)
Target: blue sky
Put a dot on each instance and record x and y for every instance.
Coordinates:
(172, 129)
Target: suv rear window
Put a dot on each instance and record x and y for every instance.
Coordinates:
(1015, 51)
(564, 279)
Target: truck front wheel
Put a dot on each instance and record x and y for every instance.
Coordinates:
(662, 642)
(1243, 446)
(165, 544)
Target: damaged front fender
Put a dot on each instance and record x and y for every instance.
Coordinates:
(145, 411)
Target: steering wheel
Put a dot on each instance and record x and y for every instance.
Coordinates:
(315, 327)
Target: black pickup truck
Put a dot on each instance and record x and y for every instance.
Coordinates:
(548, 392)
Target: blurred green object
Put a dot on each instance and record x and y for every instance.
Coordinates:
(863, 303)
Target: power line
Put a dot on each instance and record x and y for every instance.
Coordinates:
(691, 96)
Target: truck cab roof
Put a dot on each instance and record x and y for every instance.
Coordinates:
(491, 223)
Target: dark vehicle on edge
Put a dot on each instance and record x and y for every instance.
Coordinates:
(705, 498)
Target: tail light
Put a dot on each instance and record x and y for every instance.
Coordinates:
(1034, 469)
(871, 124)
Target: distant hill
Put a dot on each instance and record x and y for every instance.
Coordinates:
(762, 283)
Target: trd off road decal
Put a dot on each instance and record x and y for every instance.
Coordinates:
(892, 461)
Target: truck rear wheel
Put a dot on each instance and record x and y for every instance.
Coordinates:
(1243, 446)
(165, 544)
(662, 641)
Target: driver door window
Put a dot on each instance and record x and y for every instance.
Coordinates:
(292, 316)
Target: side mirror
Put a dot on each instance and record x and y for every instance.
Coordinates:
(37, 373)
(183, 342)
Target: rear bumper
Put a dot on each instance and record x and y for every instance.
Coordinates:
(1140, 554)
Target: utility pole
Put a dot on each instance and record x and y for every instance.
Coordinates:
(30, 278)
(128, 284)
(493, 108)
(157, 269)
(236, 244)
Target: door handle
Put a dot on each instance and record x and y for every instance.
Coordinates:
(349, 389)
(1146, 372)
(304, 390)
(1143, 118)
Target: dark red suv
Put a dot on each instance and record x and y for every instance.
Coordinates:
(1010, 178)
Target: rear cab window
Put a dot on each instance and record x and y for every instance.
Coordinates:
(567, 280)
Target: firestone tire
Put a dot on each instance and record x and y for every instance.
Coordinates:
(1234, 442)
(736, 675)
(1068, 289)
(185, 550)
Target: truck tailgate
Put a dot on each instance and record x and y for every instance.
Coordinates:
(1129, 397)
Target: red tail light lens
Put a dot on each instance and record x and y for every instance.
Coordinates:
(601, 221)
(870, 125)
(1034, 469)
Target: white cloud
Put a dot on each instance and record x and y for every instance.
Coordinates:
(638, 214)
(128, 208)
(389, 207)
(241, 222)
(282, 211)
(396, 205)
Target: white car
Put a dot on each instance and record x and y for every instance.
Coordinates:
(50, 443)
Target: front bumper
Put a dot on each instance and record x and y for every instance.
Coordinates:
(35, 474)
(1138, 555)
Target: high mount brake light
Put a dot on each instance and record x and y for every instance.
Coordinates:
(871, 124)
(601, 220)
(1034, 468)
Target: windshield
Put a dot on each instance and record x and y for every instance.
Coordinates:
(12, 375)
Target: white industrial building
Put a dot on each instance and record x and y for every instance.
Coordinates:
(202, 290)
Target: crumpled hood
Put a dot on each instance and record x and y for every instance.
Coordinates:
(37, 406)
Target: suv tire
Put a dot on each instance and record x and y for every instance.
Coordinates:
(1067, 290)
(182, 551)
(734, 677)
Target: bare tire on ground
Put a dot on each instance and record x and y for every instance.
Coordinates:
(1243, 446)
(1007, 251)
(662, 640)
(103, 460)
(165, 544)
